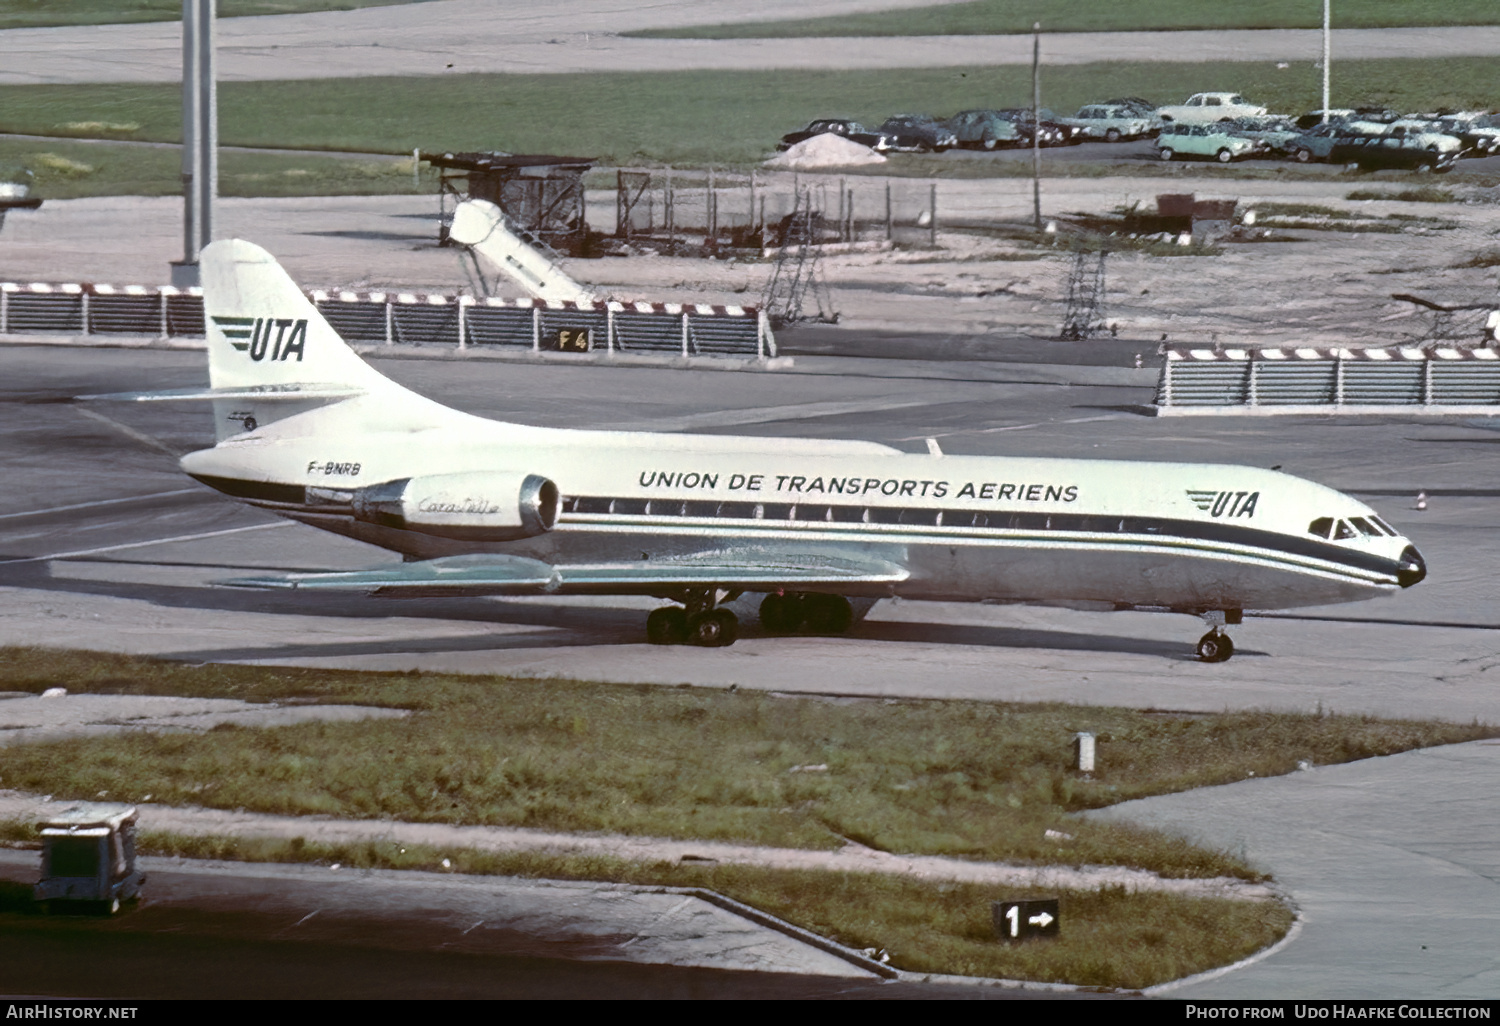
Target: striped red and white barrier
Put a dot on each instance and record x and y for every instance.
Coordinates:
(92, 289)
(402, 298)
(1373, 355)
(445, 299)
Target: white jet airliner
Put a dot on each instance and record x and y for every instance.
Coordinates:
(308, 430)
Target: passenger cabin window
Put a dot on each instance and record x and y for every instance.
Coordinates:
(1321, 527)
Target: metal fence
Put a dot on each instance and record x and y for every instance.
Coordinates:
(705, 211)
(405, 318)
(1314, 380)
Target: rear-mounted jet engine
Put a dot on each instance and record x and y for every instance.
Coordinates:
(471, 506)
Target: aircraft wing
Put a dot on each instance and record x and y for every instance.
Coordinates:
(494, 574)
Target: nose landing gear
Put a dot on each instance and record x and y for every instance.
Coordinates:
(1215, 646)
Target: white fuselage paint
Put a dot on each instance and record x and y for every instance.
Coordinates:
(1182, 536)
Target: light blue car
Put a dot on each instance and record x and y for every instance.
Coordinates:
(1210, 141)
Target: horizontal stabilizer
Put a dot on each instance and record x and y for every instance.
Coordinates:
(264, 393)
(493, 574)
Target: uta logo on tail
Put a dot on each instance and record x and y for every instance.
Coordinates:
(265, 337)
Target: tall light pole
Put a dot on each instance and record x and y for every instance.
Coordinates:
(200, 137)
(1327, 54)
(1036, 123)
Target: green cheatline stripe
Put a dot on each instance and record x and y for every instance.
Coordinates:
(1053, 540)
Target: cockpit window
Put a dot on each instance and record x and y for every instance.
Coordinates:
(1320, 527)
(1343, 532)
(1364, 527)
(1387, 528)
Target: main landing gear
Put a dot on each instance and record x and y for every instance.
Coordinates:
(812, 611)
(1215, 646)
(696, 622)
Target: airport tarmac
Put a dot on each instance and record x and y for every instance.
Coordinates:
(107, 546)
(100, 481)
(1394, 865)
(453, 37)
(207, 929)
(103, 544)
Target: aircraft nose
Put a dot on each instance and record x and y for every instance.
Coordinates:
(1413, 567)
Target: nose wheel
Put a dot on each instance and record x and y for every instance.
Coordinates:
(1215, 647)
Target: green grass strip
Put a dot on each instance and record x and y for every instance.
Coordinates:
(968, 779)
(53, 13)
(687, 118)
(1003, 17)
(66, 169)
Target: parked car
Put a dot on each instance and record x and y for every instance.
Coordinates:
(1212, 141)
(1316, 119)
(851, 130)
(1479, 132)
(1204, 108)
(1136, 106)
(915, 133)
(1382, 152)
(983, 129)
(1315, 143)
(1413, 132)
(1112, 123)
(1276, 134)
(1050, 133)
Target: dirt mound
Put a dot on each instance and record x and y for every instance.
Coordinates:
(826, 150)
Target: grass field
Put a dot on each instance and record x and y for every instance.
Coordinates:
(685, 118)
(966, 779)
(48, 13)
(64, 169)
(992, 17)
(946, 778)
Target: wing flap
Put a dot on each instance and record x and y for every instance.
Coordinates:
(493, 574)
(459, 575)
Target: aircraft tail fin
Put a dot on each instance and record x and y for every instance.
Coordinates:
(262, 329)
(267, 343)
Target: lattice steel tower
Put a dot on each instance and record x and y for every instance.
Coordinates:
(1085, 305)
(797, 277)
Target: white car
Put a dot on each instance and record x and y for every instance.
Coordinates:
(1477, 130)
(1413, 132)
(1203, 108)
(1111, 123)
